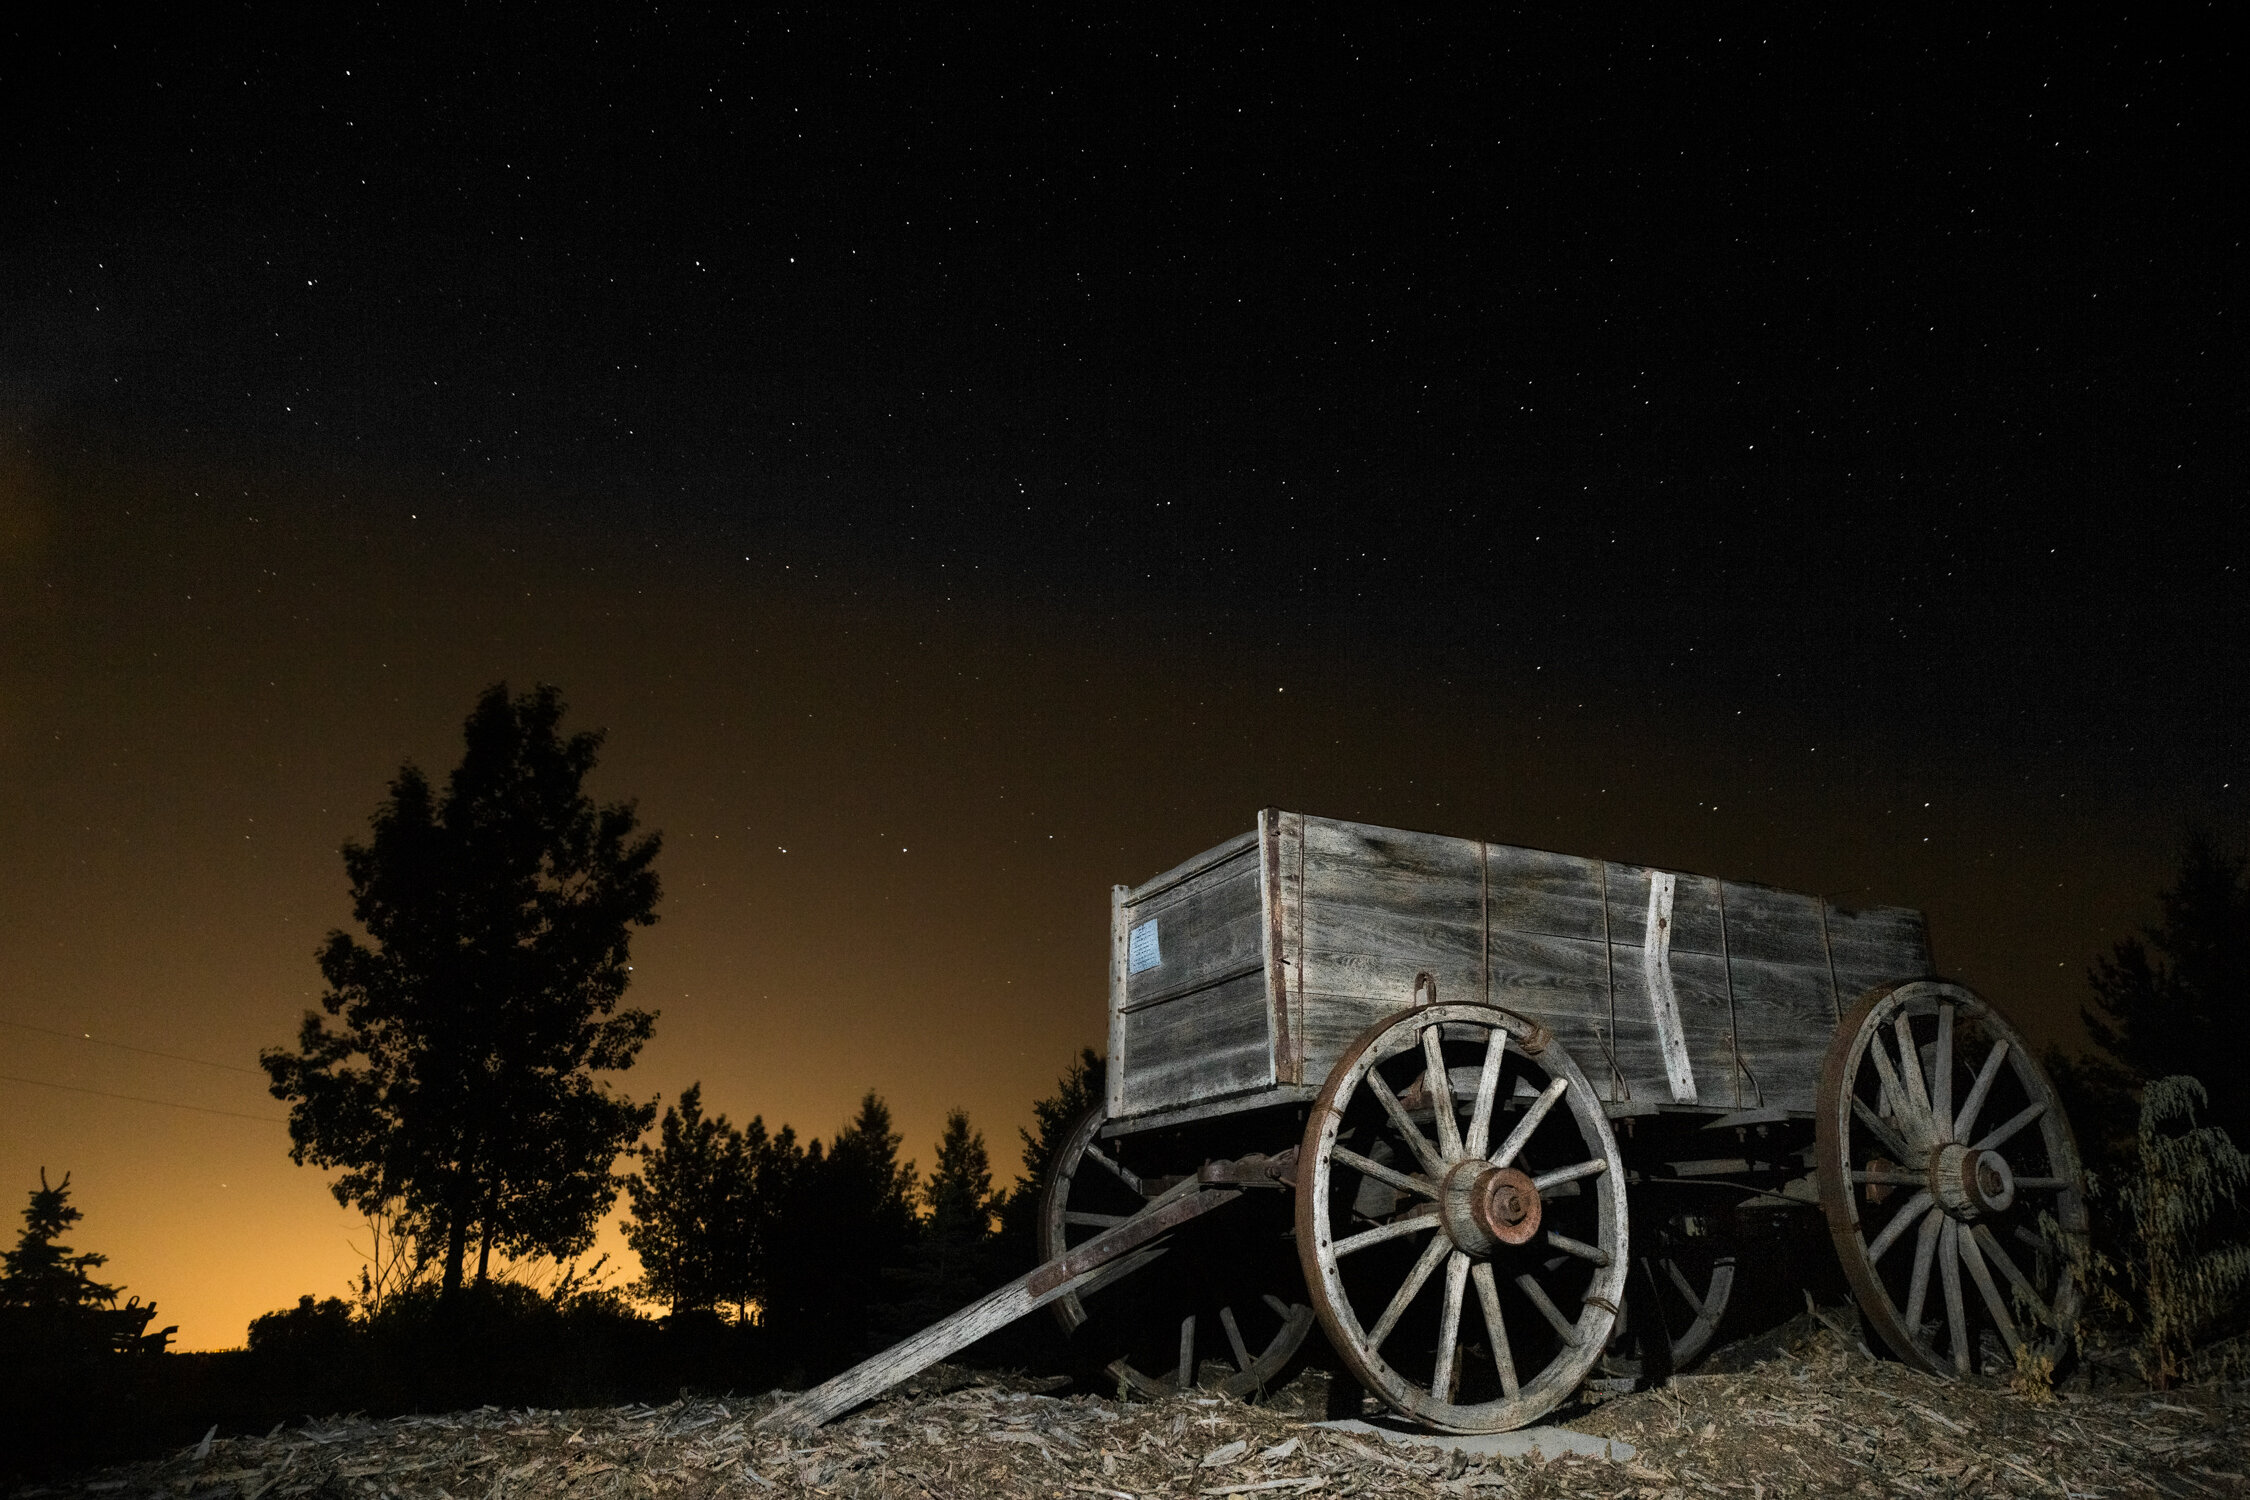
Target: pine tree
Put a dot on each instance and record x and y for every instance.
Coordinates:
(42, 1272)
(693, 1206)
(1081, 1088)
(50, 1304)
(2168, 1001)
(960, 1187)
(843, 1219)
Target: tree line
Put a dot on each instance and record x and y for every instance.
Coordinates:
(454, 1080)
(453, 1075)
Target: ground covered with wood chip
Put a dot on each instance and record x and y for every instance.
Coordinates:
(1815, 1416)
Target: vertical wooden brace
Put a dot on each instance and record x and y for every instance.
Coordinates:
(1664, 1002)
(1118, 939)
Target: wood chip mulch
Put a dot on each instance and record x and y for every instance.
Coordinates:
(1818, 1418)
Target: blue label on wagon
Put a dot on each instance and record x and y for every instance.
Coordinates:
(1141, 952)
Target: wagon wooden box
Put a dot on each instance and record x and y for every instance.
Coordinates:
(1519, 1118)
(1242, 975)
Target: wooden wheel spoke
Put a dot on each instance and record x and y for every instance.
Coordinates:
(1565, 1330)
(1186, 1377)
(1912, 1209)
(2042, 1184)
(1438, 1085)
(1234, 1339)
(1978, 1090)
(1408, 1290)
(1925, 1256)
(1902, 1103)
(1685, 1287)
(1397, 1228)
(1998, 1256)
(1579, 1248)
(1941, 1074)
(1488, 1092)
(1532, 1115)
(2016, 1122)
(1892, 1141)
(1381, 1173)
(1910, 1062)
(1496, 1327)
(1280, 1308)
(1424, 1152)
(1956, 1315)
(1966, 1242)
(1561, 1175)
(1101, 1221)
(1449, 1325)
(1095, 1153)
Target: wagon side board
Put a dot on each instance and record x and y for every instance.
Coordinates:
(1244, 973)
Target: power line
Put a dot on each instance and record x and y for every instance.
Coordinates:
(143, 1099)
(80, 1036)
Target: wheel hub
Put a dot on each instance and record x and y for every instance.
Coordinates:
(1485, 1206)
(1971, 1184)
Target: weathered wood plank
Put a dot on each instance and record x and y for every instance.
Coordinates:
(1285, 899)
(1200, 1046)
(1550, 895)
(1196, 933)
(1188, 869)
(1695, 908)
(1875, 946)
(1118, 941)
(1773, 926)
(1079, 1268)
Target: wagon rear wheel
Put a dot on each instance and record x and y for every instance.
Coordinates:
(1683, 1299)
(1453, 1277)
(1951, 1182)
(1235, 1299)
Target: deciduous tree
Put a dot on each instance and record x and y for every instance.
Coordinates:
(476, 1015)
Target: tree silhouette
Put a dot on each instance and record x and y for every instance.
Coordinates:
(951, 1262)
(960, 1187)
(42, 1271)
(1080, 1088)
(50, 1304)
(694, 1210)
(2176, 1000)
(843, 1218)
(499, 914)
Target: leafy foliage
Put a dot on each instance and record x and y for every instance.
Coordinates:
(2186, 1172)
(459, 1089)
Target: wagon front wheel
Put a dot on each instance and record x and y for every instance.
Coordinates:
(1461, 1217)
(1950, 1180)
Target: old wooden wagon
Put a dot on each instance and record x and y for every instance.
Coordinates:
(1522, 1119)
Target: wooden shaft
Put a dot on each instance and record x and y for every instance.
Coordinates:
(995, 1309)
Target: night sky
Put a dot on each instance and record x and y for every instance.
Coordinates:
(969, 461)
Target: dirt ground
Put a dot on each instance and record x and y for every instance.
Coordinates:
(1814, 1415)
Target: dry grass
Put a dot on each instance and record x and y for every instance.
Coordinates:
(1818, 1417)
